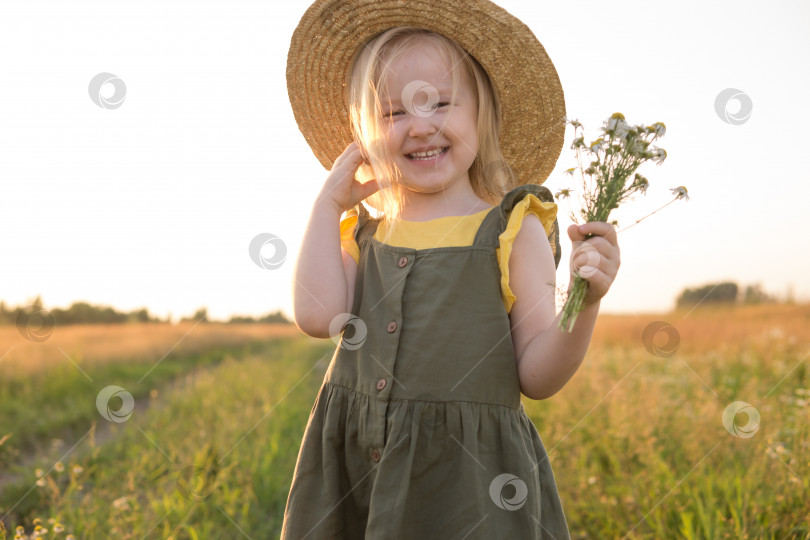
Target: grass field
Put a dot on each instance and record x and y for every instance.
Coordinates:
(637, 440)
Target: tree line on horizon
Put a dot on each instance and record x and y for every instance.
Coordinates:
(85, 313)
(723, 293)
(728, 293)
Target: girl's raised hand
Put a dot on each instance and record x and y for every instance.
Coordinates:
(341, 189)
(596, 259)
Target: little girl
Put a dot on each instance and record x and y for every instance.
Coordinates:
(450, 114)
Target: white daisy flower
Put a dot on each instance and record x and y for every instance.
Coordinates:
(681, 192)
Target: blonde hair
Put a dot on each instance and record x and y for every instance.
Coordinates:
(490, 176)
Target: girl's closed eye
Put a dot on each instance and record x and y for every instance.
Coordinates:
(399, 112)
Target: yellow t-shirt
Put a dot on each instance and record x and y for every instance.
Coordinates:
(456, 231)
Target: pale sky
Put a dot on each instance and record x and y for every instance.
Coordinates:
(154, 203)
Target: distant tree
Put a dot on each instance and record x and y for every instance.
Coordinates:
(141, 315)
(790, 295)
(201, 314)
(713, 293)
(239, 319)
(77, 313)
(85, 313)
(6, 316)
(277, 317)
(755, 295)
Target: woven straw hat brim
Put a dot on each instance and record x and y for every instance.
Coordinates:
(528, 87)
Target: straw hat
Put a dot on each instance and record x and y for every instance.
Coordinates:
(332, 31)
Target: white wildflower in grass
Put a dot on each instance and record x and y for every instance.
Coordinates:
(122, 503)
(77, 469)
(606, 182)
(59, 467)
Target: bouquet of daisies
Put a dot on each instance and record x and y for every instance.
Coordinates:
(609, 180)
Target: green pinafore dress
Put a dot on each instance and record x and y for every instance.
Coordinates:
(418, 431)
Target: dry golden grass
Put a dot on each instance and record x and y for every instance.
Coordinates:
(712, 327)
(89, 343)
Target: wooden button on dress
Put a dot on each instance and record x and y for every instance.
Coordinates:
(392, 326)
(403, 261)
(375, 454)
(380, 384)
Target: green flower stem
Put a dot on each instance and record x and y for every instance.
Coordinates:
(573, 304)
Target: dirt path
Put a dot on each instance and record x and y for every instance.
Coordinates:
(101, 432)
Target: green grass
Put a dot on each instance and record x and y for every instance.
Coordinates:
(636, 442)
(654, 460)
(238, 424)
(45, 405)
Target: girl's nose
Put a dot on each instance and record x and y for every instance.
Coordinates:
(422, 126)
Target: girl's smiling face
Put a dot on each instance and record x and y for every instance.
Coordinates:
(431, 135)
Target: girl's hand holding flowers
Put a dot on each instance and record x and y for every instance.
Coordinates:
(608, 181)
(595, 257)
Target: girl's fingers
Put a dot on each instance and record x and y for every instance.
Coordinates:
(597, 228)
(351, 153)
(369, 188)
(364, 155)
(597, 258)
(599, 245)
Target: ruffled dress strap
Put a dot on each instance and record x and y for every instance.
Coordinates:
(545, 208)
(497, 221)
(500, 228)
(356, 225)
